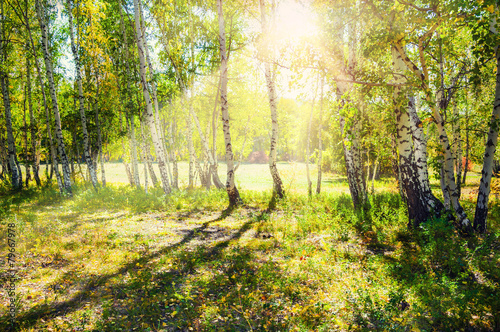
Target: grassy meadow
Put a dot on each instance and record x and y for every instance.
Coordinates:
(122, 260)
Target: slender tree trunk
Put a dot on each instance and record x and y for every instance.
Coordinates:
(271, 91)
(367, 165)
(192, 157)
(35, 159)
(175, 171)
(457, 148)
(15, 175)
(124, 153)
(27, 158)
(11, 144)
(215, 116)
(50, 76)
(489, 155)
(154, 96)
(99, 144)
(133, 143)
(149, 116)
(446, 194)
(232, 191)
(308, 148)
(467, 146)
(145, 153)
(375, 168)
(147, 149)
(76, 58)
(208, 154)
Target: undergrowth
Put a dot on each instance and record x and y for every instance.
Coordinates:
(118, 259)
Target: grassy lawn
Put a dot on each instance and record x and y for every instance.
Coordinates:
(123, 260)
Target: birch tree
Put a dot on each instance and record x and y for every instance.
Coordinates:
(232, 191)
(149, 115)
(491, 141)
(271, 91)
(76, 58)
(50, 76)
(15, 175)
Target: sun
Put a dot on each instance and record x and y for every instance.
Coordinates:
(294, 20)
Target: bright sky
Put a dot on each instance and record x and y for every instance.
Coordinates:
(294, 20)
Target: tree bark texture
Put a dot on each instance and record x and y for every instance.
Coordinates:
(420, 201)
(50, 76)
(81, 102)
(271, 92)
(481, 213)
(35, 156)
(149, 116)
(232, 191)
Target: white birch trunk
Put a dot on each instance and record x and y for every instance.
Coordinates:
(320, 138)
(457, 148)
(489, 152)
(420, 203)
(133, 143)
(50, 76)
(232, 191)
(308, 148)
(11, 144)
(449, 174)
(76, 58)
(189, 135)
(271, 91)
(149, 116)
(35, 159)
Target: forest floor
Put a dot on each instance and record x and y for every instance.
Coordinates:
(123, 260)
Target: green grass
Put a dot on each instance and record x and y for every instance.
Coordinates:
(123, 260)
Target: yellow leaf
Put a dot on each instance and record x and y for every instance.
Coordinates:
(491, 9)
(174, 313)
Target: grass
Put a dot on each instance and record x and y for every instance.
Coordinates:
(123, 260)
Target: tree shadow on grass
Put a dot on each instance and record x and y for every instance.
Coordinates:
(92, 283)
(452, 278)
(219, 286)
(215, 286)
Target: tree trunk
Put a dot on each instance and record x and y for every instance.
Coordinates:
(208, 154)
(175, 171)
(449, 173)
(145, 153)
(420, 201)
(154, 96)
(446, 194)
(133, 143)
(11, 144)
(489, 154)
(26, 153)
(354, 167)
(86, 149)
(35, 156)
(375, 168)
(50, 76)
(149, 116)
(192, 157)
(467, 146)
(457, 148)
(232, 191)
(271, 91)
(308, 148)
